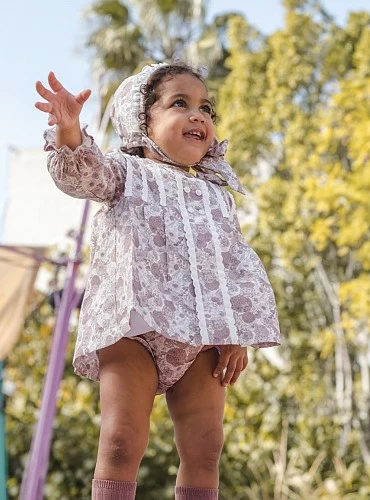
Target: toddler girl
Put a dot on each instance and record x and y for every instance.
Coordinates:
(174, 294)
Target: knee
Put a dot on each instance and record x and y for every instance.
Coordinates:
(204, 450)
(121, 447)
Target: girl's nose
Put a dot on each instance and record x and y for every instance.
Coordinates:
(196, 116)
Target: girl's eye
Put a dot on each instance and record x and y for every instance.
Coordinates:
(206, 109)
(179, 103)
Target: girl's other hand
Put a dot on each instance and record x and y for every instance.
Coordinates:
(234, 359)
(63, 107)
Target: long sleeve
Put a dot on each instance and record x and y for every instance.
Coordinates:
(86, 172)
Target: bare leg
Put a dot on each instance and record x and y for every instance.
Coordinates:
(196, 405)
(128, 382)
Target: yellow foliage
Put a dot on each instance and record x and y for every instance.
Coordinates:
(355, 296)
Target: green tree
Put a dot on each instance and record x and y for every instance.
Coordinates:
(126, 35)
(295, 107)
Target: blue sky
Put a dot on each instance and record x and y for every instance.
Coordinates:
(39, 35)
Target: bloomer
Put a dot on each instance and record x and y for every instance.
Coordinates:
(172, 358)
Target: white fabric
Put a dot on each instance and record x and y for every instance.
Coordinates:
(18, 271)
(138, 325)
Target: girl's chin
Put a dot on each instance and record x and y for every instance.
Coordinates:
(187, 158)
(183, 160)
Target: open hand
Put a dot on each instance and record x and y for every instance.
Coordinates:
(63, 107)
(235, 359)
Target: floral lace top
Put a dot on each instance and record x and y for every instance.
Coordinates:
(167, 245)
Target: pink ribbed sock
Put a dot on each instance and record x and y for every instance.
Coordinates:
(113, 490)
(185, 493)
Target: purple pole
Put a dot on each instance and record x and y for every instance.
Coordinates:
(33, 482)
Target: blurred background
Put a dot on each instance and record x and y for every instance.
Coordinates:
(292, 84)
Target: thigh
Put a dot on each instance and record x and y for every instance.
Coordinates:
(128, 383)
(196, 402)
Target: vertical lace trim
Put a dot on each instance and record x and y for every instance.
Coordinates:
(220, 267)
(159, 181)
(193, 263)
(221, 200)
(144, 193)
(232, 206)
(128, 186)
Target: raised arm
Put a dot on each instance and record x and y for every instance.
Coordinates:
(64, 111)
(75, 162)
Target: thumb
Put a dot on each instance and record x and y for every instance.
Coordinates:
(222, 364)
(83, 96)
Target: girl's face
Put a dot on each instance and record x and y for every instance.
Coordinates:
(180, 120)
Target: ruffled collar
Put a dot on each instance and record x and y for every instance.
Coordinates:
(212, 167)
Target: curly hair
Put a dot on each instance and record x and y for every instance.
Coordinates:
(149, 89)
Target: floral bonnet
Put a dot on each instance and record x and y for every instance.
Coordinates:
(128, 104)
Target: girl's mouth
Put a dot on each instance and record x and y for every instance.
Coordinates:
(196, 134)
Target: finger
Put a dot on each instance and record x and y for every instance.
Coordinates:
(229, 373)
(222, 364)
(245, 361)
(44, 106)
(43, 91)
(54, 83)
(52, 120)
(237, 372)
(83, 96)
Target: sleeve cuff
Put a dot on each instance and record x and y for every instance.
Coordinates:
(49, 136)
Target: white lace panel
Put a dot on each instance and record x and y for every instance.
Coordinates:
(193, 262)
(159, 181)
(144, 193)
(220, 266)
(129, 174)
